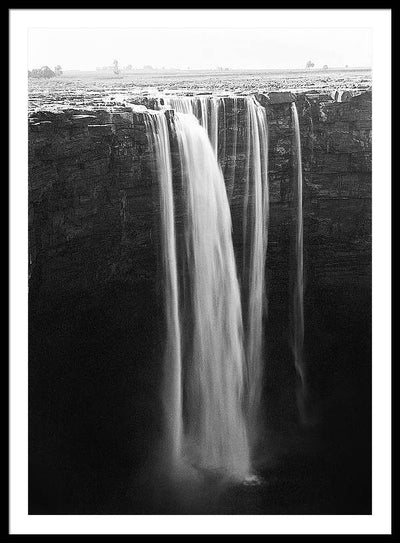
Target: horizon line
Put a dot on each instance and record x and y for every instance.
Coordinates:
(214, 69)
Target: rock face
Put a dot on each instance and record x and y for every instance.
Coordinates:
(336, 155)
(91, 203)
(95, 324)
(92, 192)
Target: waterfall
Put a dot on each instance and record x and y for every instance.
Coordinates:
(215, 370)
(255, 222)
(216, 430)
(255, 232)
(157, 130)
(298, 286)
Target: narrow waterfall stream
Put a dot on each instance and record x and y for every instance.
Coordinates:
(255, 237)
(157, 130)
(298, 283)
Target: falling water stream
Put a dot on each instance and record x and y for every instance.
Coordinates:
(298, 286)
(255, 224)
(157, 130)
(216, 430)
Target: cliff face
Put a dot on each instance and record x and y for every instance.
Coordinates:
(336, 158)
(91, 202)
(92, 192)
(96, 301)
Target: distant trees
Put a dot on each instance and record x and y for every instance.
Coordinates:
(45, 72)
(42, 73)
(325, 67)
(310, 64)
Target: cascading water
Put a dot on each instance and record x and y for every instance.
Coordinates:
(255, 222)
(215, 103)
(255, 238)
(216, 429)
(203, 385)
(157, 129)
(214, 372)
(231, 167)
(204, 108)
(298, 284)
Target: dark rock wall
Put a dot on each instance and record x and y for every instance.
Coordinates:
(336, 158)
(94, 309)
(90, 202)
(92, 191)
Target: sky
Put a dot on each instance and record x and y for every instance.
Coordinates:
(209, 48)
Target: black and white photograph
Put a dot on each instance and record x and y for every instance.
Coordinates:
(194, 197)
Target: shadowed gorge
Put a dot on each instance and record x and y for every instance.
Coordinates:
(183, 304)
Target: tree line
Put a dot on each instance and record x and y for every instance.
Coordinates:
(45, 72)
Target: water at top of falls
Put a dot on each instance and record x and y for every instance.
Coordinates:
(157, 129)
(204, 108)
(216, 429)
(298, 286)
